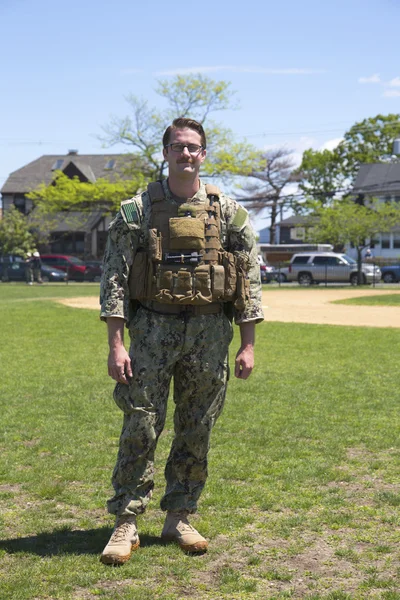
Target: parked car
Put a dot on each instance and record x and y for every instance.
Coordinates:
(316, 267)
(391, 274)
(281, 274)
(74, 267)
(95, 269)
(267, 272)
(15, 271)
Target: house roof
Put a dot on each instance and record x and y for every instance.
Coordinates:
(41, 170)
(295, 221)
(378, 178)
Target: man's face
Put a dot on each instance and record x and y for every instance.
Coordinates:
(184, 164)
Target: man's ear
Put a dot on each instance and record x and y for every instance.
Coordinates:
(165, 153)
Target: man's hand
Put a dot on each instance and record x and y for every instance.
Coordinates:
(119, 363)
(245, 357)
(244, 362)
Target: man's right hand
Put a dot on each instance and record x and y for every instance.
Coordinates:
(119, 365)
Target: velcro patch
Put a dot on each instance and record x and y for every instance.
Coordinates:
(240, 218)
(129, 212)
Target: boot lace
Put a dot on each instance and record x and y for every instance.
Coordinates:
(122, 531)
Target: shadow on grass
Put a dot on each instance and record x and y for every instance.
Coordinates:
(65, 541)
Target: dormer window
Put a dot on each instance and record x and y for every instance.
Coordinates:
(58, 164)
(110, 164)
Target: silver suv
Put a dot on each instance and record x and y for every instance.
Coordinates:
(317, 267)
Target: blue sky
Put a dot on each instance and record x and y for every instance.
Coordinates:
(303, 72)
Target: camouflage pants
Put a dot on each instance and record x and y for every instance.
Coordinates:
(194, 351)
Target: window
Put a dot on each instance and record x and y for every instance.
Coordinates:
(20, 204)
(396, 240)
(397, 198)
(385, 240)
(320, 260)
(110, 164)
(58, 164)
(301, 260)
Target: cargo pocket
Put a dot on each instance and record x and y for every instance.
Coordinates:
(122, 398)
(186, 233)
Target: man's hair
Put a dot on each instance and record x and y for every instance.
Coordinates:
(183, 123)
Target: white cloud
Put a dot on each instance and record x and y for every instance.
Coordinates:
(372, 79)
(394, 82)
(331, 144)
(237, 69)
(391, 93)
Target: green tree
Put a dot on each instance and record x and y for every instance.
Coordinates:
(325, 174)
(193, 96)
(347, 222)
(15, 236)
(67, 194)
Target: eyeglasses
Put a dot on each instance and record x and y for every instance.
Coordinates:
(192, 148)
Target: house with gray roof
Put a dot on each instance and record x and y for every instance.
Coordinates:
(381, 181)
(87, 236)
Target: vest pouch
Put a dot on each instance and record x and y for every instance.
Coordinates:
(217, 281)
(182, 287)
(164, 284)
(243, 282)
(140, 276)
(202, 285)
(155, 245)
(186, 233)
(229, 264)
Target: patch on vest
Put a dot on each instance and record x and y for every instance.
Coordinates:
(240, 217)
(129, 212)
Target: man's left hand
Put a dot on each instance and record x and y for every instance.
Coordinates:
(244, 362)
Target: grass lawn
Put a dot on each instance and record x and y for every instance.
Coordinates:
(384, 300)
(303, 495)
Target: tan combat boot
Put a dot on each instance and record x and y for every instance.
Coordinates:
(178, 529)
(123, 541)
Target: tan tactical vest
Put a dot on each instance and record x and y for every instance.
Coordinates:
(185, 263)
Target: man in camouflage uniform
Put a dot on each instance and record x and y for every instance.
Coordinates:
(182, 342)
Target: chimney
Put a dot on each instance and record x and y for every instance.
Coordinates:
(72, 152)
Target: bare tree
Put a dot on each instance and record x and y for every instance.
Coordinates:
(268, 189)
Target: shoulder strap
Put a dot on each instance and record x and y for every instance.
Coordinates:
(212, 190)
(156, 191)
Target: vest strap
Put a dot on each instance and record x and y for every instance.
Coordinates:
(156, 191)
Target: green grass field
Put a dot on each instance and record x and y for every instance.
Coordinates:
(303, 495)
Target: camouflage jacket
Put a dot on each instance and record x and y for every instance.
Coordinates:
(124, 239)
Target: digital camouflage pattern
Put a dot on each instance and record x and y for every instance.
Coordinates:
(195, 352)
(124, 239)
(192, 349)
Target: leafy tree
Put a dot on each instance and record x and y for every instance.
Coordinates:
(67, 194)
(325, 174)
(269, 188)
(15, 236)
(348, 222)
(193, 96)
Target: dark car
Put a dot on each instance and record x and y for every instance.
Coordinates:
(15, 271)
(74, 267)
(391, 274)
(94, 270)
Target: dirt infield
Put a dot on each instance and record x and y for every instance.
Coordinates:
(308, 306)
